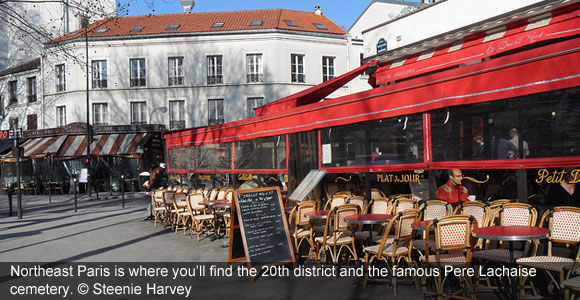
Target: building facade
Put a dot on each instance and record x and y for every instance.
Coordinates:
(184, 70)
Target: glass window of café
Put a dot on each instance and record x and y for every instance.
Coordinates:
(261, 153)
(213, 157)
(181, 158)
(395, 140)
(532, 126)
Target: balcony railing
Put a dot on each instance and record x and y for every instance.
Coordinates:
(102, 83)
(136, 82)
(138, 122)
(60, 87)
(255, 78)
(215, 121)
(298, 78)
(177, 124)
(31, 98)
(176, 81)
(13, 100)
(214, 79)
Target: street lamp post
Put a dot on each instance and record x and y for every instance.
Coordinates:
(162, 109)
(85, 25)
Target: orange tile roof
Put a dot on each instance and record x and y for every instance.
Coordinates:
(202, 23)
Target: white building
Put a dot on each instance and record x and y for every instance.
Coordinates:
(26, 25)
(203, 67)
(377, 12)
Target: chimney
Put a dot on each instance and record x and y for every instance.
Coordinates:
(318, 10)
(187, 5)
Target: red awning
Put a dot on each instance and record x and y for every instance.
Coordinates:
(313, 94)
(554, 25)
(106, 144)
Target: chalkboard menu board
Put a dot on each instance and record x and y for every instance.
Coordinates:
(263, 227)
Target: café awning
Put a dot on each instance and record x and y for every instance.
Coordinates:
(41, 146)
(104, 144)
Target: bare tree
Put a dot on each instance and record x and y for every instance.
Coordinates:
(26, 25)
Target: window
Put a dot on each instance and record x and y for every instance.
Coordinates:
(214, 69)
(172, 27)
(319, 26)
(327, 68)
(254, 68)
(60, 116)
(102, 30)
(137, 29)
(13, 123)
(175, 70)
(138, 113)
(100, 114)
(217, 25)
(60, 78)
(32, 121)
(297, 68)
(176, 114)
(256, 23)
(31, 84)
(138, 73)
(254, 102)
(216, 111)
(99, 74)
(13, 90)
(290, 23)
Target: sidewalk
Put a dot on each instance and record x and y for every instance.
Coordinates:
(100, 231)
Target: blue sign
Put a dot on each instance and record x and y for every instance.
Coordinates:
(381, 46)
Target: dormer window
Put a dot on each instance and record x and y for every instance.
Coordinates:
(256, 23)
(290, 23)
(102, 30)
(173, 27)
(137, 29)
(217, 25)
(320, 26)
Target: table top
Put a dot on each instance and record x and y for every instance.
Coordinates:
(511, 233)
(319, 214)
(422, 225)
(223, 205)
(212, 202)
(368, 218)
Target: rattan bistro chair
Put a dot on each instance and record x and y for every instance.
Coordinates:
(182, 214)
(337, 236)
(302, 226)
(431, 210)
(453, 246)
(564, 225)
(393, 250)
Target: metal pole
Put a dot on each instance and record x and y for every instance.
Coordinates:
(89, 139)
(123, 189)
(9, 192)
(18, 189)
(75, 188)
(49, 180)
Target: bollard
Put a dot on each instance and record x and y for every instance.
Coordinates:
(123, 190)
(75, 187)
(49, 192)
(9, 191)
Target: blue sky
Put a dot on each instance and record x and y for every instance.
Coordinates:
(342, 12)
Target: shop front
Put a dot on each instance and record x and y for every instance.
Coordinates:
(507, 119)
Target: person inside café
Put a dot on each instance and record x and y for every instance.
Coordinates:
(452, 191)
(565, 193)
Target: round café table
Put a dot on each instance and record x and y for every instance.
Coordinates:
(317, 215)
(368, 219)
(422, 225)
(213, 204)
(512, 234)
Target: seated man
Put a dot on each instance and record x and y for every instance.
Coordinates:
(452, 191)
